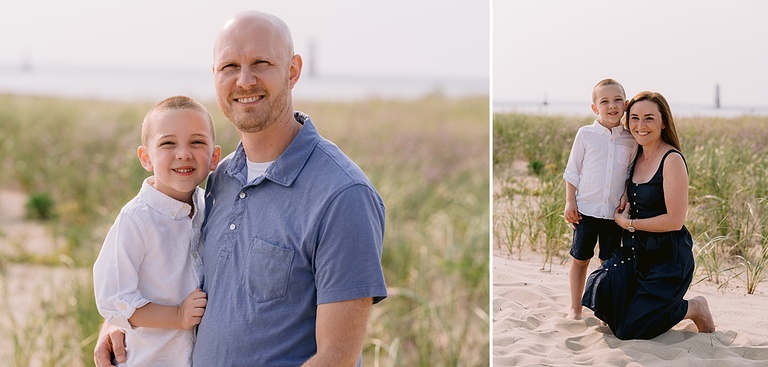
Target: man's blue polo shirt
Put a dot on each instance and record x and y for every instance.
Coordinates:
(308, 232)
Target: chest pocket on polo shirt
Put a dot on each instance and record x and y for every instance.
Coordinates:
(267, 271)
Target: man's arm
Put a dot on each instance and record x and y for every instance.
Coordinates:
(111, 340)
(340, 331)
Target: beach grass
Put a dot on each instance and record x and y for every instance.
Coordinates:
(76, 161)
(728, 191)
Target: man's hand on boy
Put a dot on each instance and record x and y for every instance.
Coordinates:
(111, 343)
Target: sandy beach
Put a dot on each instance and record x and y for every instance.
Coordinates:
(27, 290)
(529, 326)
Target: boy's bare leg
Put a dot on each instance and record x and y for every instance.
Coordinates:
(698, 312)
(577, 278)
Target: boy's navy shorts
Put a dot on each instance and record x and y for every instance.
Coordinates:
(589, 231)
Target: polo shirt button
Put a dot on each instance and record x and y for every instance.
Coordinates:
(232, 226)
(242, 195)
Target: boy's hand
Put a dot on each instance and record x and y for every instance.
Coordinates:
(571, 213)
(191, 311)
(622, 216)
(622, 203)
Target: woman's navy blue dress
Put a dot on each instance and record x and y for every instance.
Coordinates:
(639, 291)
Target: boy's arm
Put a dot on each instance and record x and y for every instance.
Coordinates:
(185, 316)
(623, 200)
(115, 272)
(572, 176)
(571, 212)
(575, 162)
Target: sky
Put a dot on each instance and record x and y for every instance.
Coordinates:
(682, 48)
(429, 38)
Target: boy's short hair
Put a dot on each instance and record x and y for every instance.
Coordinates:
(605, 82)
(174, 103)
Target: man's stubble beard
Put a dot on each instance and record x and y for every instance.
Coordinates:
(256, 119)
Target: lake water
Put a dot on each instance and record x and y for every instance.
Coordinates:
(583, 109)
(154, 84)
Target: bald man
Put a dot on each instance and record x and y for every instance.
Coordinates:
(292, 238)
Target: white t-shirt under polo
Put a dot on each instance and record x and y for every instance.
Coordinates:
(257, 169)
(148, 256)
(598, 167)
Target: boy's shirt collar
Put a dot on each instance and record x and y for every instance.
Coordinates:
(604, 130)
(165, 204)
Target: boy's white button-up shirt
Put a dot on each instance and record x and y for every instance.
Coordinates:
(150, 255)
(598, 167)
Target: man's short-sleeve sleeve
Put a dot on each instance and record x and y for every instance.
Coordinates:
(348, 254)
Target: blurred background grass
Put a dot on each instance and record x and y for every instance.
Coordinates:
(75, 162)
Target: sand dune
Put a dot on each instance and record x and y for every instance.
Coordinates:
(530, 329)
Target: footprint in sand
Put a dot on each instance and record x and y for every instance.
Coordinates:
(583, 342)
(571, 326)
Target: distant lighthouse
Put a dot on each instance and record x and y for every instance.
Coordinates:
(312, 60)
(717, 96)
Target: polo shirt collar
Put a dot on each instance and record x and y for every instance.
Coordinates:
(163, 203)
(287, 166)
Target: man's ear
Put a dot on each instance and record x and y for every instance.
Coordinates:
(144, 158)
(215, 158)
(295, 69)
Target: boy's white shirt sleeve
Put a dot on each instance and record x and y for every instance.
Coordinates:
(115, 272)
(632, 157)
(575, 161)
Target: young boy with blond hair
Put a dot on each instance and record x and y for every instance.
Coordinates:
(595, 181)
(147, 275)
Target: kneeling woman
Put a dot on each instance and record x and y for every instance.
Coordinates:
(639, 291)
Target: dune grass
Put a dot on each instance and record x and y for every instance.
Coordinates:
(728, 191)
(428, 158)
